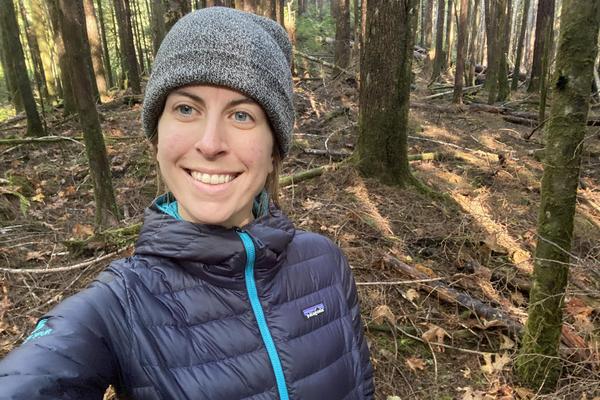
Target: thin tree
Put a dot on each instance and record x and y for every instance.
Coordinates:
(384, 97)
(438, 60)
(519, 49)
(65, 77)
(538, 363)
(342, 32)
(73, 22)
(40, 24)
(35, 53)
(16, 62)
(427, 24)
(460, 51)
(545, 19)
(448, 35)
(251, 6)
(504, 13)
(105, 52)
(128, 59)
(9, 75)
(91, 24)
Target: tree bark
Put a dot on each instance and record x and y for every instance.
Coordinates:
(16, 61)
(106, 212)
(91, 24)
(130, 65)
(65, 77)
(538, 364)
(158, 24)
(251, 6)
(545, 17)
(342, 33)
(105, 52)
(519, 55)
(137, 36)
(9, 75)
(40, 24)
(427, 26)
(504, 13)
(385, 90)
(439, 58)
(460, 52)
(448, 37)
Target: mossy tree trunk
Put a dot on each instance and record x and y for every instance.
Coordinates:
(385, 76)
(40, 24)
(342, 32)
(538, 364)
(520, 42)
(504, 16)
(16, 62)
(448, 37)
(438, 59)
(73, 23)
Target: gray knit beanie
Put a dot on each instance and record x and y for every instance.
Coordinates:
(226, 47)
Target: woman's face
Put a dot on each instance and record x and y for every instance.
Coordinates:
(215, 152)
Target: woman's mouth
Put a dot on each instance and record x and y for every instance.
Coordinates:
(212, 179)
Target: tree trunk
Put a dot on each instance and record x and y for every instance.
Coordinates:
(460, 51)
(91, 25)
(545, 17)
(538, 363)
(40, 24)
(473, 42)
(504, 13)
(105, 52)
(342, 33)
(16, 62)
(106, 212)
(427, 23)
(448, 37)
(519, 55)
(65, 77)
(10, 75)
(439, 58)
(386, 73)
(158, 24)
(34, 51)
(251, 6)
(130, 65)
(175, 9)
(137, 36)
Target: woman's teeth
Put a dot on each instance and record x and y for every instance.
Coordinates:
(211, 179)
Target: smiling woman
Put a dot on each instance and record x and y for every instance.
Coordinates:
(223, 299)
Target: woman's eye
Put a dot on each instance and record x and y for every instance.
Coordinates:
(185, 110)
(241, 116)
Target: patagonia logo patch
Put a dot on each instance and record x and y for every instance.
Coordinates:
(313, 311)
(39, 331)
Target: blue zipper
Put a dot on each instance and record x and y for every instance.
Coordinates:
(260, 316)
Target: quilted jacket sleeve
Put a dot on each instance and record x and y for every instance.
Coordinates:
(352, 298)
(69, 354)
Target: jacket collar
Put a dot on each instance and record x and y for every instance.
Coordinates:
(214, 253)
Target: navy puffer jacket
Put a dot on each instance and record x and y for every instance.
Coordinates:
(204, 312)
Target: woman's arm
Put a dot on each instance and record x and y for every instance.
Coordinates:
(69, 354)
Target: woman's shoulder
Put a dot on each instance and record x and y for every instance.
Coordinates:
(309, 248)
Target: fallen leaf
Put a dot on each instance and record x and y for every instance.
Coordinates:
(415, 363)
(82, 231)
(435, 335)
(494, 362)
(381, 313)
(470, 394)
(39, 196)
(524, 393)
(35, 255)
(507, 343)
(411, 295)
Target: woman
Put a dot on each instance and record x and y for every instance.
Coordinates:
(223, 298)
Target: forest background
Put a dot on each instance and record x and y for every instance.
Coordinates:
(450, 147)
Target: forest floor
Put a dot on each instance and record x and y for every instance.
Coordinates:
(478, 242)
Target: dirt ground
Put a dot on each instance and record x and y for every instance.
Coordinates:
(478, 241)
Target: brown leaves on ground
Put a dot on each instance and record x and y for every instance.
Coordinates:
(435, 335)
(495, 362)
(381, 313)
(415, 363)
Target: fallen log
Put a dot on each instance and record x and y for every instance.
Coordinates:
(468, 89)
(581, 350)
(11, 120)
(520, 121)
(325, 63)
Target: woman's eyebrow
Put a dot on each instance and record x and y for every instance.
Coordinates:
(243, 100)
(192, 96)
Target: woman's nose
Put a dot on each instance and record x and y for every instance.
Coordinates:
(212, 141)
